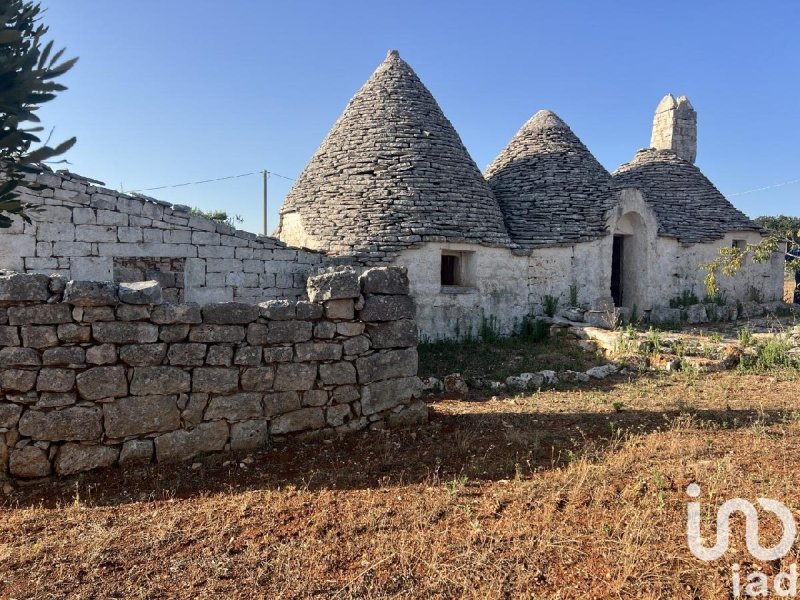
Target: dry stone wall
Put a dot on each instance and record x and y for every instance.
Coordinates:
(96, 373)
(84, 231)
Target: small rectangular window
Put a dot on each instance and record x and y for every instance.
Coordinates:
(450, 269)
(739, 244)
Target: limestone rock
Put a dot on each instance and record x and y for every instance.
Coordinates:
(215, 380)
(337, 373)
(249, 435)
(184, 444)
(414, 414)
(76, 458)
(9, 414)
(140, 292)
(238, 407)
(664, 315)
(393, 334)
(125, 332)
(333, 285)
(382, 395)
(168, 314)
(24, 287)
(91, 293)
(102, 382)
(294, 377)
(695, 314)
(385, 280)
(387, 308)
(602, 372)
(29, 462)
(284, 310)
(136, 452)
(455, 384)
(74, 423)
(230, 313)
(298, 420)
(137, 415)
(143, 354)
(387, 364)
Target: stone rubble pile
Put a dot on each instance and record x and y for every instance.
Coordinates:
(96, 373)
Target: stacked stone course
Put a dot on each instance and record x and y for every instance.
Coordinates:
(84, 231)
(97, 373)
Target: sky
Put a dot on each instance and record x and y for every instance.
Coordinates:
(168, 92)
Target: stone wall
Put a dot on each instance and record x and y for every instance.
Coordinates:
(96, 373)
(87, 232)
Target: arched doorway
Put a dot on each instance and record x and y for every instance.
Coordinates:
(630, 262)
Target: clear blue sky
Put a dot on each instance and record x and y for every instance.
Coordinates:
(181, 90)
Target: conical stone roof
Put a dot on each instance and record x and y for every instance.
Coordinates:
(392, 173)
(686, 203)
(551, 189)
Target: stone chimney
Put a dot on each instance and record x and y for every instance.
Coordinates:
(675, 127)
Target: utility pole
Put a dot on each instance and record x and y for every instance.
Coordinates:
(265, 173)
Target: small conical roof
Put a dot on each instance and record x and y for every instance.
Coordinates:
(686, 203)
(550, 188)
(391, 173)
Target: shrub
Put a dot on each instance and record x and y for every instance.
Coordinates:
(550, 305)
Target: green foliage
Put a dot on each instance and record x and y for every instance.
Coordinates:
(573, 295)
(781, 226)
(220, 216)
(772, 353)
(28, 71)
(550, 305)
(745, 336)
(686, 298)
(533, 329)
(489, 332)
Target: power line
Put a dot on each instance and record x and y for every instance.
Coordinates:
(768, 187)
(176, 185)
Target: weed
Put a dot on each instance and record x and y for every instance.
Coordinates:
(618, 405)
(550, 305)
(573, 295)
(684, 299)
(745, 335)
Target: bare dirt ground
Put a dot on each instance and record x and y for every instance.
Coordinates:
(559, 494)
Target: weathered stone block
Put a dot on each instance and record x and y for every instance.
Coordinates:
(29, 462)
(9, 414)
(75, 423)
(393, 334)
(165, 380)
(387, 308)
(278, 310)
(248, 355)
(91, 293)
(337, 373)
(55, 380)
(238, 407)
(17, 380)
(385, 280)
(143, 354)
(383, 395)
(95, 314)
(230, 313)
(387, 364)
(215, 380)
(102, 382)
(73, 356)
(258, 379)
(104, 354)
(43, 314)
(342, 283)
(173, 333)
(350, 329)
(340, 309)
(310, 351)
(136, 452)
(39, 336)
(128, 332)
(23, 287)
(345, 394)
(294, 377)
(193, 413)
(338, 415)
(696, 314)
(19, 357)
(356, 345)
(9, 336)
(73, 333)
(76, 458)
(168, 314)
(315, 398)
(298, 420)
(325, 330)
(216, 333)
(664, 315)
(278, 354)
(280, 402)
(248, 435)
(140, 292)
(183, 445)
(308, 310)
(288, 332)
(220, 355)
(56, 399)
(137, 415)
(187, 354)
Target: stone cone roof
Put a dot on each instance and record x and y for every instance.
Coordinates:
(686, 203)
(391, 173)
(551, 189)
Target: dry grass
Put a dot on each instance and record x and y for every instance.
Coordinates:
(554, 495)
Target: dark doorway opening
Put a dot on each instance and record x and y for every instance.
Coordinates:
(450, 270)
(616, 269)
